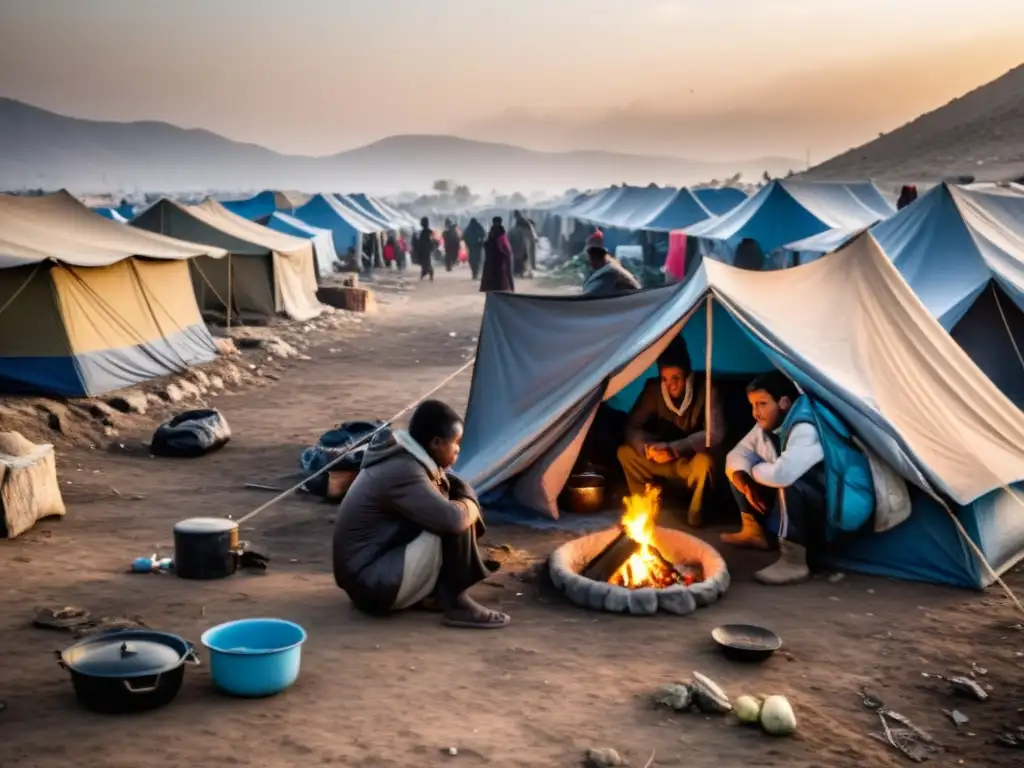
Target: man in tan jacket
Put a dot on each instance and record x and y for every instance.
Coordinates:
(407, 531)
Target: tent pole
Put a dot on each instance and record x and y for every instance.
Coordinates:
(229, 293)
(707, 376)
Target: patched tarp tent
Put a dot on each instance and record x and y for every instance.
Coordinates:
(846, 328)
(88, 306)
(266, 272)
(962, 251)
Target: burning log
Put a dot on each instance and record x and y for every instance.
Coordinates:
(610, 559)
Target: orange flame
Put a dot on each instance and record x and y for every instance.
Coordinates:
(646, 568)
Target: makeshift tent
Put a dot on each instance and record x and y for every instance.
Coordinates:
(345, 225)
(720, 200)
(682, 210)
(110, 213)
(633, 208)
(379, 221)
(846, 328)
(323, 240)
(266, 272)
(783, 212)
(265, 203)
(962, 252)
(88, 306)
(379, 210)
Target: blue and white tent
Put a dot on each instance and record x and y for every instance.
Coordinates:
(962, 252)
(813, 247)
(347, 227)
(265, 203)
(846, 328)
(720, 200)
(111, 213)
(785, 211)
(323, 239)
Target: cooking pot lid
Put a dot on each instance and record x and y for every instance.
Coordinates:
(205, 525)
(125, 654)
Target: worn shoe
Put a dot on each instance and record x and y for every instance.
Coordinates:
(790, 568)
(749, 536)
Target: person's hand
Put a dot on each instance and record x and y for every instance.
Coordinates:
(457, 488)
(744, 483)
(660, 453)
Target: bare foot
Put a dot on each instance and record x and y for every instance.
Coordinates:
(469, 614)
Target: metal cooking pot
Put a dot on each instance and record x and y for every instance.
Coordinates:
(132, 670)
(206, 548)
(584, 493)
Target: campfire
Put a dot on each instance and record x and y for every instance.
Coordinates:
(632, 560)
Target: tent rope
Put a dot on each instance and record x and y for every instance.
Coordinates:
(1006, 324)
(227, 306)
(21, 288)
(448, 379)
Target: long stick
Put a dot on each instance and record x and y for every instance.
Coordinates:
(707, 375)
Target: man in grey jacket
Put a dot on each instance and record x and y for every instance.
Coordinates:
(777, 475)
(406, 531)
(609, 277)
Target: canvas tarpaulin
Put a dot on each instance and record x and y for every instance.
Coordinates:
(323, 239)
(346, 226)
(846, 327)
(267, 272)
(90, 306)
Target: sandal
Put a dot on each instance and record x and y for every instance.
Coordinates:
(486, 620)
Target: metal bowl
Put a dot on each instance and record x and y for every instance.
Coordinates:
(746, 642)
(584, 493)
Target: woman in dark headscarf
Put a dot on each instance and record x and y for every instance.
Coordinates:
(473, 236)
(497, 271)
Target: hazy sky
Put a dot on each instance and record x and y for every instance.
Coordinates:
(318, 76)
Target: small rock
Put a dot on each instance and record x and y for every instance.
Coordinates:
(188, 389)
(453, 751)
(279, 348)
(603, 757)
(271, 376)
(200, 379)
(172, 393)
(232, 374)
(100, 410)
(226, 347)
(129, 402)
(216, 382)
(835, 578)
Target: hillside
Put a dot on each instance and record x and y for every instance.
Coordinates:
(979, 134)
(48, 150)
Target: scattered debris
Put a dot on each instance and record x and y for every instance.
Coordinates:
(835, 578)
(958, 717)
(603, 757)
(675, 696)
(961, 686)
(1011, 737)
(914, 743)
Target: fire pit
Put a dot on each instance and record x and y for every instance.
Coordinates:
(638, 567)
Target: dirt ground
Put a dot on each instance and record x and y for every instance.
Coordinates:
(401, 691)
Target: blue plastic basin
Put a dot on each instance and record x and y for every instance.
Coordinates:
(254, 657)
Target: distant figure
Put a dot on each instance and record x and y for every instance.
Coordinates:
(390, 251)
(609, 277)
(423, 246)
(908, 194)
(497, 270)
(523, 239)
(452, 241)
(474, 236)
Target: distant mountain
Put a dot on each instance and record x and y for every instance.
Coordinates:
(980, 134)
(48, 150)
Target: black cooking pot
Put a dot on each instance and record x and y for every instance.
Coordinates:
(132, 670)
(206, 548)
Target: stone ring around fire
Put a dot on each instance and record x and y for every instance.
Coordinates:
(686, 552)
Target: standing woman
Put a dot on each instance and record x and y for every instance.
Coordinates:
(497, 270)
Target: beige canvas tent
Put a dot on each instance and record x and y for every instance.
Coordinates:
(88, 305)
(266, 272)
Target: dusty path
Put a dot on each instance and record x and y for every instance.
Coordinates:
(400, 691)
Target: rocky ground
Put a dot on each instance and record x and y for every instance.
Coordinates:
(558, 683)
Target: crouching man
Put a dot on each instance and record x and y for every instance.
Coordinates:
(778, 478)
(406, 531)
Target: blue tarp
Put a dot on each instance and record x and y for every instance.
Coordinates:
(962, 251)
(111, 213)
(323, 239)
(346, 226)
(531, 403)
(256, 207)
(785, 211)
(720, 200)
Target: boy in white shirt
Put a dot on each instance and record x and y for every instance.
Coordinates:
(777, 476)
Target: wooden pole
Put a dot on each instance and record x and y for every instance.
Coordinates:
(707, 374)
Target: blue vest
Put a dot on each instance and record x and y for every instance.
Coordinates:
(849, 488)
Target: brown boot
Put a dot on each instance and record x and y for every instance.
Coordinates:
(790, 568)
(749, 536)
